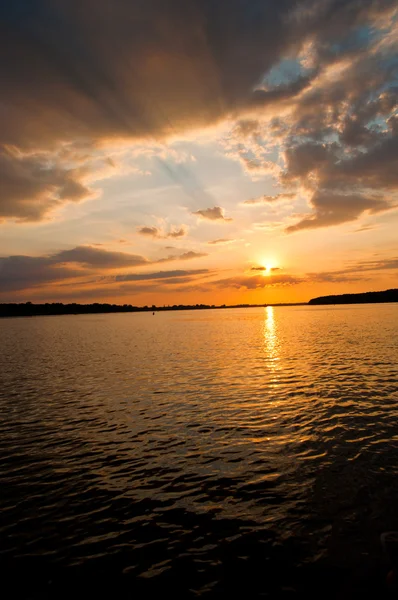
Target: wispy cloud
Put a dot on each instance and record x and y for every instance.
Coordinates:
(177, 274)
(258, 281)
(23, 272)
(221, 241)
(184, 256)
(156, 232)
(261, 268)
(270, 199)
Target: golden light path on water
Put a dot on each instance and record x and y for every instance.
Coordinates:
(271, 343)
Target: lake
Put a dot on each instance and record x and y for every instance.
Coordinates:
(249, 452)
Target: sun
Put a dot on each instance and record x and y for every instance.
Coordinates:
(265, 266)
(268, 267)
(267, 270)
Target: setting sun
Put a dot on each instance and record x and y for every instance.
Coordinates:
(268, 267)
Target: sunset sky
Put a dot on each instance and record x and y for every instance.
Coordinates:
(189, 151)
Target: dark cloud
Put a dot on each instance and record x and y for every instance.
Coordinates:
(149, 231)
(212, 214)
(155, 232)
(331, 208)
(376, 169)
(87, 292)
(261, 98)
(31, 187)
(97, 258)
(179, 275)
(75, 70)
(184, 52)
(135, 68)
(331, 167)
(306, 158)
(246, 128)
(177, 233)
(342, 144)
(20, 272)
(79, 70)
(24, 272)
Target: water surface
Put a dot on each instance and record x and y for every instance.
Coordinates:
(198, 453)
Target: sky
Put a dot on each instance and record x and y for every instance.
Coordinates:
(197, 151)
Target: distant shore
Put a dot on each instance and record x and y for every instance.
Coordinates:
(28, 309)
(364, 298)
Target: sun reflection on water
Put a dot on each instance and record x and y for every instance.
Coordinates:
(271, 339)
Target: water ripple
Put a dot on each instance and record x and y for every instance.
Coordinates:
(213, 453)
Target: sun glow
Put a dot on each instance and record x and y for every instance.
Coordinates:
(268, 268)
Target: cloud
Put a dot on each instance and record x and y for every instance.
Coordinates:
(354, 271)
(177, 233)
(73, 74)
(94, 77)
(270, 199)
(248, 143)
(221, 241)
(80, 263)
(121, 72)
(333, 277)
(155, 232)
(258, 281)
(189, 255)
(177, 274)
(334, 132)
(365, 228)
(186, 256)
(263, 97)
(261, 268)
(342, 144)
(31, 186)
(97, 258)
(381, 264)
(20, 272)
(149, 231)
(333, 209)
(212, 214)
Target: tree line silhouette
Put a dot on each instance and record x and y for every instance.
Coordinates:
(28, 309)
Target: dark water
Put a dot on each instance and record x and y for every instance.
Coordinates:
(214, 453)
